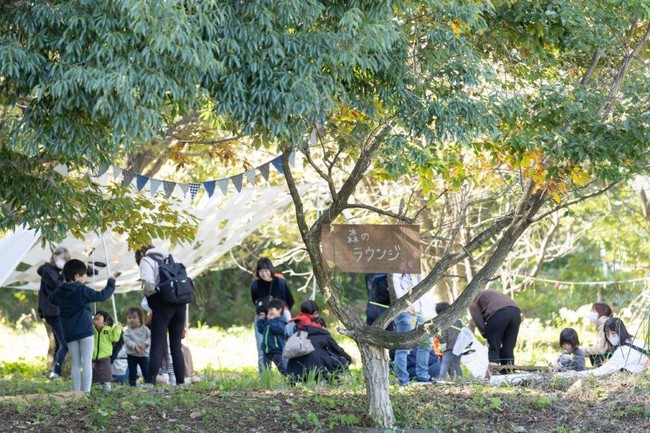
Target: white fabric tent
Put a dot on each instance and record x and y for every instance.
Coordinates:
(224, 223)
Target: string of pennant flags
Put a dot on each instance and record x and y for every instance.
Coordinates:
(210, 186)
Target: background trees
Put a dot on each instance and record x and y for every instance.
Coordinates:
(498, 114)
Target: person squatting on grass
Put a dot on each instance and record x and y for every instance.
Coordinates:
(73, 298)
(450, 362)
(328, 359)
(599, 351)
(271, 325)
(51, 279)
(105, 334)
(629, 354)
(137, 340)
(572, 357)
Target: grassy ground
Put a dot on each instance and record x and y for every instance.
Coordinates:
(232, 398)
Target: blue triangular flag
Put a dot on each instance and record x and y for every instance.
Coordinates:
(101, 170)
(128, 176)
(264, 169)
(141, 181)
(250, 175)
(237, 180)
(277, 163)
(184, 188)
(194, 189)
(169, 187)
(209, 187)
(154, 185)
(223, 185)
(292, 158)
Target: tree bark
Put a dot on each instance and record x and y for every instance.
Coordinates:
(374, 360)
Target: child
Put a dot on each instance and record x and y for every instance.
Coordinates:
(572, 358)
(450, 362)
(73, 297)
(271, 325)
(105, 335)
(137, 339)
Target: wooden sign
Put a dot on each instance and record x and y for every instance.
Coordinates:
(371, 248)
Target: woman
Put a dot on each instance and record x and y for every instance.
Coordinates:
(51, 279)
(629, 354)
(598, 353)
(328, 358)
(265, 287)
(497, 318)
(165, 317)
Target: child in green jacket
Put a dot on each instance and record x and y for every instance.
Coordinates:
(105, 335)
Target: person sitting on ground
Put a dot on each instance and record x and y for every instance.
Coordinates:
(271, 325)
(105, 334)
(434, 364)
(572, 358)
(72, 298)
(328, 359)
(450, 362)
(629, 354)
(599, 352)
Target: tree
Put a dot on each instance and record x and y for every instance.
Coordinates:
(544, 102)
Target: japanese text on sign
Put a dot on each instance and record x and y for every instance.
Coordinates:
(371, 248)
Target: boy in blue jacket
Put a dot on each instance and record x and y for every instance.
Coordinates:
(271, 325)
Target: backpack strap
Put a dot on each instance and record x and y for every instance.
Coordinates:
(637, 348)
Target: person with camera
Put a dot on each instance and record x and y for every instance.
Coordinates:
(164, 317)
(51, 279)
(72, 298)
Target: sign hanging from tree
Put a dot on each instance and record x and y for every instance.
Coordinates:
(371, 248)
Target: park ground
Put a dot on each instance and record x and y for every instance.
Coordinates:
(230, 397)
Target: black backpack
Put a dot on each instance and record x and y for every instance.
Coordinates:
(174, 286)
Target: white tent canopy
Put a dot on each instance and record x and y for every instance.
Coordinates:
(224, 223)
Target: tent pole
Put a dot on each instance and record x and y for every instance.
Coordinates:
(108, 269)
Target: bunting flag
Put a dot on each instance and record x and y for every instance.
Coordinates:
(154, 185)
(277, 163)
(127, 176)
(313, 138)
(140, 181)
(117, 172)
(223, 185)
(237, 180)
(209, 187)
(101, 170)
(168, 187)
(250, 175)
(61, 169)
(264, 170)
(194, 189)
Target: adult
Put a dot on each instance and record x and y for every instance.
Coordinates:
(267, 286)
(497, 318)
(328, 359)
(406, 321)
(51, 279)
(378, 297)
(599, 352)
(165, 317)
(628, 353)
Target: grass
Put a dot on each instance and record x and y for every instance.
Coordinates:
(231, 397)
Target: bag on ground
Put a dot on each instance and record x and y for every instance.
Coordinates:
(174, 286)
(465, 338)
(297, 345)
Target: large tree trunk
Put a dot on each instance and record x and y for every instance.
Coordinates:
(374, 360)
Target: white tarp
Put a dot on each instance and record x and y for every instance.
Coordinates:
(224, 223)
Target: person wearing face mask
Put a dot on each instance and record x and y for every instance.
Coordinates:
(51, 279)
(599, 352)
(629, 354)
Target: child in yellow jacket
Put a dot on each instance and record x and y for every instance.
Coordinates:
(105, 335)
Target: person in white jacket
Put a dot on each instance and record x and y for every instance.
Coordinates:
(629, 355)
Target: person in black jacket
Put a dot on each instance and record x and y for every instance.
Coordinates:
(267, 286)
(328, 358)
(51, 279)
